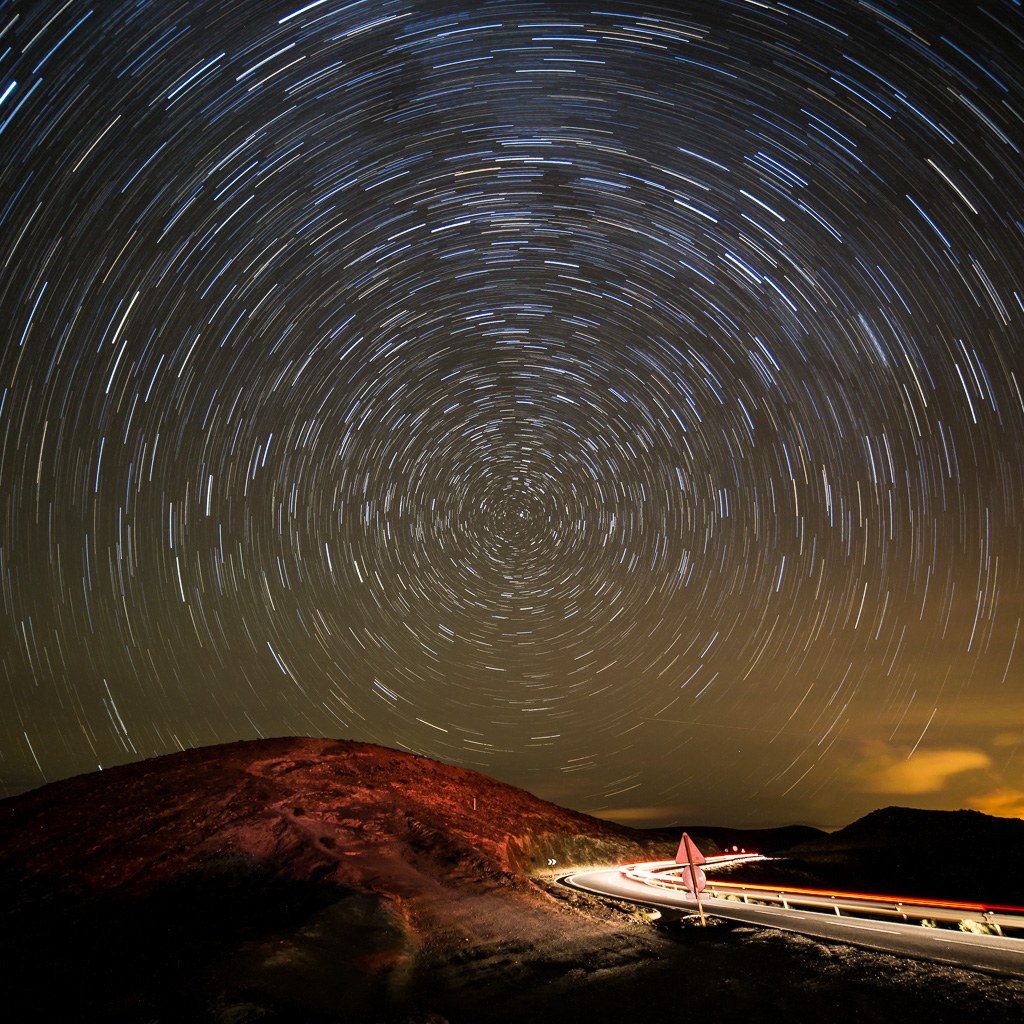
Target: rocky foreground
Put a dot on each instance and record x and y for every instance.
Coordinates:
(303, 880)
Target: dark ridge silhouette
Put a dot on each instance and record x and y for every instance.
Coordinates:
(756, 840)
(306, 881)
(902, 851)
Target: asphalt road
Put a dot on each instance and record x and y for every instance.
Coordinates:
(995, 953)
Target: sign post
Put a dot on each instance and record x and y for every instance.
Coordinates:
(693, 878)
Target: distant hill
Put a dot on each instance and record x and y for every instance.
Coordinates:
(751, 840)
(901, 851)
(924, 831)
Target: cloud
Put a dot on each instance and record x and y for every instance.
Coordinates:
(1008, 739)
(630, 815)
(925, 771)
(1004, 802)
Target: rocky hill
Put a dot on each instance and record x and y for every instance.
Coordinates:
(305, 809)
(308, 875)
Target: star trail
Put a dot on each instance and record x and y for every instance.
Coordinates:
(623, 400)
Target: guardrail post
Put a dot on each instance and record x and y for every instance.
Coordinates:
(989, 920)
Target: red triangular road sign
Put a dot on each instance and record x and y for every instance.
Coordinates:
(688, 854)
(691, 855)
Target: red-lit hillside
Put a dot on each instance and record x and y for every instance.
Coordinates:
(311, 878)
(329, 810)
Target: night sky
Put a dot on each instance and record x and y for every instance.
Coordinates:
(622, 400)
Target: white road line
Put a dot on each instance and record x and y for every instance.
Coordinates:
(874, 928)
(945, 936)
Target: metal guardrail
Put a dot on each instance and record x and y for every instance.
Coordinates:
(854, 904)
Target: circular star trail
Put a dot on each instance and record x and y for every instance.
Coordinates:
(625, 401)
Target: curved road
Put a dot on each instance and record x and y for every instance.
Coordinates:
(975, 952)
